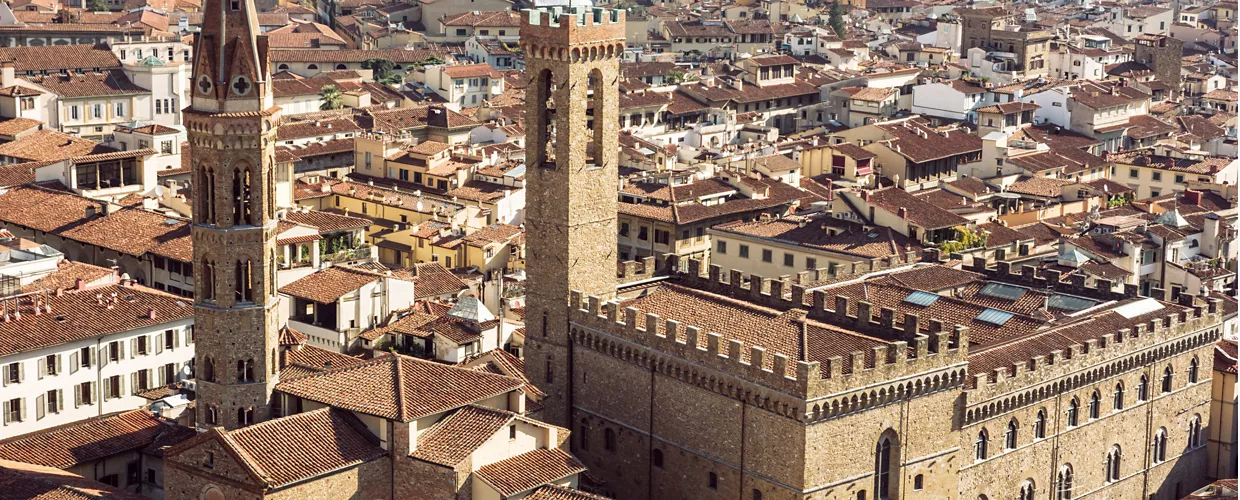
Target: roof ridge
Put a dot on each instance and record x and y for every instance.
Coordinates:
(398, 375)
(247, 461)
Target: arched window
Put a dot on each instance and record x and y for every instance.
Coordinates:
(882, 468)
(583, 440)
(212, 415)
(240, 416)
(609, 440)
(208, 195)
(1160, 445)
(1112, 466)
(1194, 432)
(712, 481)
(208, 280)
(240, 196)
(861, 495)
(249, 370)
(1095, 405)
(1063, 483)
(1168, 379)
(1010, 438)
(245, 281)
(208, 369)
(919, 482)
(757, 494)
(282, 67)
(1026, 490)
(312, 67)
(656, 457)
(979, 446)
(1117, 400)
(1074, 408)
(1039, 425)
(595, 80)
(1143, 389)
(241, 371)
(1192, 371)
(341, 66)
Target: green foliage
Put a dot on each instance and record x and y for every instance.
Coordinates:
(836, 19)
(332, 98)
(1119, 200)
(98, 6)
(965, 239)
(384, 71)
(674, 77)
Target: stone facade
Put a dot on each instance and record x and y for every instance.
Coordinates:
(1163, 55)
(997, 32)
(573, 57)
(232, 127)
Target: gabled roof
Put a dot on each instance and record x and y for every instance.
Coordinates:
(328, 285)
(93, 439)
(23, 481)
(295, 448)
(529, 470)
(453, 439)
(398, 387)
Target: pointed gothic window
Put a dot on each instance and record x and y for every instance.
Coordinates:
(1194, 432)
(1112, 465)
(208, 195)
(1143, 389)
(208, 369)
(1117, 401)
(208, 280)
(1167, 381)
(1063, 483)
(1192, 371)
(1160, 446)
(882, 468)
(245, 281)
(1039, 425)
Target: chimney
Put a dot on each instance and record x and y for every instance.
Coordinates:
(903, 213)
(8, 74)
(81, 283)
(150, 313)
(865, 195)
(1193, 196)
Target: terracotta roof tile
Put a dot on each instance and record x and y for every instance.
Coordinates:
(60, 57)
(316, 128)
(399, 387)
(50, 145)
(432, 280)
(14, 126)
(806, 231)
(89, 440)
(306, 445)
(326, 222)
(135, 232)
(78, 316)
(453, 439)
(920, 213)
(43, 209)
(555, 492)
(23, 481)
(328, 285)
(529, 470)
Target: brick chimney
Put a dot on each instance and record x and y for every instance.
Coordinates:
(903, 213)
(150, 313)
(1193, 196)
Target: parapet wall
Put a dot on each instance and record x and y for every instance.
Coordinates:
(564, 26)
(1110, 353)
(1046, 279)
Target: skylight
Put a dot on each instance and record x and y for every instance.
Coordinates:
(1002, 291)
(994, 316)
(921, 298)
(1069, 303)
(1138, 308)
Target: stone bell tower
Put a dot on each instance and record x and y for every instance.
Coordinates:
(231, 125)
(572, 136)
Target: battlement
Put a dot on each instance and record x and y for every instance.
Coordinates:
(1046, 279)
(1109, 347)
(916, 346)
(572, 26)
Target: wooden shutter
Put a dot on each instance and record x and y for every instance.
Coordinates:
(159, 343)
(73, 362)
(40, 407)
(133, 383)
(163, 377)
(77, 394)
(103, 358)
(60, 364)
(94, 356)
(60, 400)
(22, 404)
(21, 372)
(133, 346)
(42, 367)
(6, 412)
(4, 375)
(176, 338)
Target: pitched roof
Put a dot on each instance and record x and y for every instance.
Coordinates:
(529, 470)
(303, 446)
(556, 492)
(78, 316)
(43, 209)
(60, 57)
(23, 481)
(920, 143)
(136, 231)
(92, 439)
(399, 387)
(46, 145)
(326, 222)
(498, 18)
(920, 212)
(453, 439)
(809, 232)
(328, 285)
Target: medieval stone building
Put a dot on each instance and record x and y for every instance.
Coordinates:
(884, 380)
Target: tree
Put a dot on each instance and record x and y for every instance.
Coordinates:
(332, 99)
(384, 71)
(836, 19)
(98, 6)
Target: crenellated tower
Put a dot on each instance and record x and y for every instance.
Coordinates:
(232, 124)
(572, 57)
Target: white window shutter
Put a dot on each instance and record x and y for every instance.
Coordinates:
(121, 347)
(159, 343)
(163, 377)
(6, 413)
(77, 395)
(133, 383)
(21, 372)
(4, 375)
(94, 356)
(60, 400)
(22, 404)
(106, 393)
(40, 407)
(133, 346)
(42, 367)
(176, 338)
(73, 362)
(60, 364)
